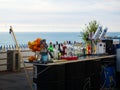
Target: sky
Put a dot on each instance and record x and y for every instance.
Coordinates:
(58, 15)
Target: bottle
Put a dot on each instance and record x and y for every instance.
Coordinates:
(59, 55)
(59, 51)
(50, 48)
(83, 50)
(55, 52)
(97, 33)
(64, 49)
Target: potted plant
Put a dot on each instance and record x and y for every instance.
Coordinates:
(87, 33)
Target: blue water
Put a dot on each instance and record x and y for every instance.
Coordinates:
(24, 37)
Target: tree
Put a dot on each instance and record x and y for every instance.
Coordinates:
(90, 28)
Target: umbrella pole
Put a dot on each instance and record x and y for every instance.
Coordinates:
(21, 57)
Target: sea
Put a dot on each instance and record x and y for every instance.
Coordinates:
(23, 37)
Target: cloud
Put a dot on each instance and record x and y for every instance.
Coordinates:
(59, 13)
(60, 5)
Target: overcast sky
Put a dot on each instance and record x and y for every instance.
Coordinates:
(58, 15)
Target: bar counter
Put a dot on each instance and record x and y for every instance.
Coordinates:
(81, 74)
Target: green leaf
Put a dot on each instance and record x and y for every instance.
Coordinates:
(91, 27)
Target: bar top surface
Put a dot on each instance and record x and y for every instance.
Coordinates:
(80, 59)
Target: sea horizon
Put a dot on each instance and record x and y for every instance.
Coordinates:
(24, 37)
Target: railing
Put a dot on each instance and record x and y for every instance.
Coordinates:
(3, 58)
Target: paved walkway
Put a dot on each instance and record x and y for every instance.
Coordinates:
(14, 80)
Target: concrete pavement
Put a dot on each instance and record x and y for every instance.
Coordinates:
(14, 80)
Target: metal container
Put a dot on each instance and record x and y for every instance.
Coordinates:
(13, 60)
